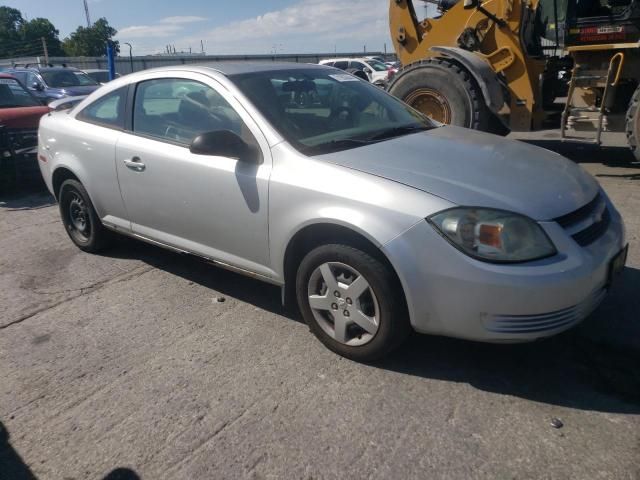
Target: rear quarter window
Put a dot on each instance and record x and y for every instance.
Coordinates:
(107, 111)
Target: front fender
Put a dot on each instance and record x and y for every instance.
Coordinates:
(481, 71)
(304, 191)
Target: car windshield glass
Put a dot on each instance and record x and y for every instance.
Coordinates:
(102, 77)
(377, 66)
(12, 94)
(323, 110)
(66, 78)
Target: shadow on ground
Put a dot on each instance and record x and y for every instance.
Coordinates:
(33, 201)
(610, 156)
(13, 467)
(591, 367)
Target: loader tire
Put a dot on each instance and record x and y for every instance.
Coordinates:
(633, 124)
(444, 91)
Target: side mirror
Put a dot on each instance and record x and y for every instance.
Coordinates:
(225, 143)
(469, 4)
(37, 86)
(367, 71)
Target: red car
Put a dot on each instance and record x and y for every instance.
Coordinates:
(18, 107)
(20, 114)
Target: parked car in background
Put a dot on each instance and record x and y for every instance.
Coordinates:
(392, 68)
(99, 75)
(53, 83)
(19, 108)
(20, 113)
(375, 70)
(376, 219)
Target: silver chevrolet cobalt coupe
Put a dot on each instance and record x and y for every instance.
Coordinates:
(375, 219)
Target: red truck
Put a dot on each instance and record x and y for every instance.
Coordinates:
(20, 114)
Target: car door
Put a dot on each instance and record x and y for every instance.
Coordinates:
(214, 206)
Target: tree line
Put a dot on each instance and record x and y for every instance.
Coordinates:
(23, 38)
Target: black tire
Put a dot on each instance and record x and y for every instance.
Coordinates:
(465, 104)
(393, 323)
(633, 124)
(74, 202)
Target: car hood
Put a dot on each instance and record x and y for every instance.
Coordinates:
(75, 91)
(22, 117)
(471, 168)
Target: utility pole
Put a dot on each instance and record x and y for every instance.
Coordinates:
(202, 46)
(86, 12)
(46, 52)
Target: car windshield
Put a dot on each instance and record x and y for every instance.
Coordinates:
(324, 110)
(12, 95)
(377, 66)
(66, 78)
(100, 76)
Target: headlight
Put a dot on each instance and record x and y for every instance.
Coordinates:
(493, 235)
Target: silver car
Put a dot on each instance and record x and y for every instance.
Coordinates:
(373, 218)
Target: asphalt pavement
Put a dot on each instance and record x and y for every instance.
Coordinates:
(142, 363)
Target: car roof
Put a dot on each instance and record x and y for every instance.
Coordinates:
(346, 59)
(41, 69)
(240, 67)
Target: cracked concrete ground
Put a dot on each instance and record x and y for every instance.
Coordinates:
(127, 359)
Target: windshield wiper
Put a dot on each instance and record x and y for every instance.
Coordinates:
(396, 132)
(336, 145)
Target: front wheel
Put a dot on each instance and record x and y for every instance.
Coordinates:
(80, 219)
(351, 302)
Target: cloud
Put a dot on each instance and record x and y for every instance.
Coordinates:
(144, 31)
(167, 27)
(183, 19)
(306, 26)
(308, 17)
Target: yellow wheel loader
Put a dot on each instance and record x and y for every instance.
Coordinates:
(520, 65)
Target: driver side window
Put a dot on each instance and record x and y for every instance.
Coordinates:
(31, 79)
(177, 110)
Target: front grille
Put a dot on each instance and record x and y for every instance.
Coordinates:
(545, 321)
(588, 223)
(594, 232)
(581, 214)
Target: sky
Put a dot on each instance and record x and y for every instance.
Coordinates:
(228, 27)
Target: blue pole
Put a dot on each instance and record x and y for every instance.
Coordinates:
(111, 62)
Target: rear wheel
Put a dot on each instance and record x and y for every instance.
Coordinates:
(351, 302)
(443, 91)
(633, 124)
(80, 218)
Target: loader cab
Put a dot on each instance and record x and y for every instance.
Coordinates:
(595, 22)
(556, 24)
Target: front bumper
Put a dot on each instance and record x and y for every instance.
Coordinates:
(449, 293)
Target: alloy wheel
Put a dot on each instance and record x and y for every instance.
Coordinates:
(343, 303)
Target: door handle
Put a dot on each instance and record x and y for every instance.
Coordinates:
(135, 164)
